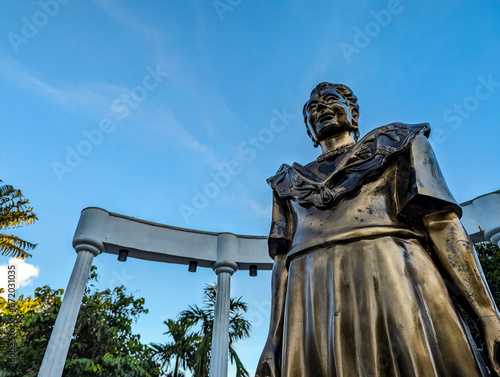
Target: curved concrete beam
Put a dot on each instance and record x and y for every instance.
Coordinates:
(163, 243)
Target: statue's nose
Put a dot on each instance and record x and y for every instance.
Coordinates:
(321, 106)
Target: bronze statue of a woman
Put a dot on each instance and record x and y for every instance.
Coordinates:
(370, 259)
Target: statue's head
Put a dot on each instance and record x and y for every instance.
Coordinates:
(332, 108)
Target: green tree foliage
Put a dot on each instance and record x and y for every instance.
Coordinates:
(202, 319)
(14, 213)
(25, 326)
(489, 256)
(180, 352)
(103, 343)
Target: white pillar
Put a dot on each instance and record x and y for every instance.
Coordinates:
(227, 247)
(487, 208)
(60, 339)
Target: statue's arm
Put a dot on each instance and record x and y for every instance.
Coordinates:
(279, 244)
(270, 360)
(455, 252)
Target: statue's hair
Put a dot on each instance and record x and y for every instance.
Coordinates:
(352, 102)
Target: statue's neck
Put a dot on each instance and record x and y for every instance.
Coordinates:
(336, 141)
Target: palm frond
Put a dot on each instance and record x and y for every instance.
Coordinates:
(162, 353)
(237, 305)
(240, 369)
(239, 328)
(14, 208)
(15, 247)
(14, 213)
(201, 362)
(195, 315)
(210, 295)
(16, 219)
(8, 191)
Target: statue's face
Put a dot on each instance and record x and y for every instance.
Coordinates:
(328, 114)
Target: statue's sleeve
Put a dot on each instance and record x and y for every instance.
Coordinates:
(421, 187)
(280, 236)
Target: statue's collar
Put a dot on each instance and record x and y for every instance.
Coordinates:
(364, 159)
(335, 153)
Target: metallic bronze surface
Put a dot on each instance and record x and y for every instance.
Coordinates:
(370, 258)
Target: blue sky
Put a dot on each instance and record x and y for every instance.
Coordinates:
(138, 107)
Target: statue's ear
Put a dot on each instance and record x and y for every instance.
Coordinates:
(354, 113)
(315, 142)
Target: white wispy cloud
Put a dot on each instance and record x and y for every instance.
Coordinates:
(260, 211)
(94, 97)
(163, 123)
(24, 273)
(118, 11)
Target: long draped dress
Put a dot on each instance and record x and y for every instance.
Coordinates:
(365, 296)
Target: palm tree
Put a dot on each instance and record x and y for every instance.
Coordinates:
(239, 328)
(14, 213)
(181, 349)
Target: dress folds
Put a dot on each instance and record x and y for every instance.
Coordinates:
(375, 307)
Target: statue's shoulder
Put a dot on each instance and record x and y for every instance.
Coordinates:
(387, 141)
(396, 132)
(287, 174)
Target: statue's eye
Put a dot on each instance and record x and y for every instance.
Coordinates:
(329, 98)
(311, 107)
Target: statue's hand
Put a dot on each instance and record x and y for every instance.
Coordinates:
(269, 363)
(491, 330)
(267, 368)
